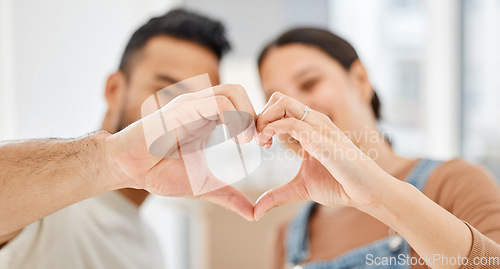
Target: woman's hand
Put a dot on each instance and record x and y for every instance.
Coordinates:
(334, 172)
(353, 179)
(163, 152)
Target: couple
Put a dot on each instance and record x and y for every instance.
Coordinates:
(363, 209)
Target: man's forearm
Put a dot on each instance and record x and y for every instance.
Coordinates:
(39, 177)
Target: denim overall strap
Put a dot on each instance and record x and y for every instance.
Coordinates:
(421, 172)
(297, 237)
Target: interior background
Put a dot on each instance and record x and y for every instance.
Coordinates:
(435, 65)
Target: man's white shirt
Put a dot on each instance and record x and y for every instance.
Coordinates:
(105, 231)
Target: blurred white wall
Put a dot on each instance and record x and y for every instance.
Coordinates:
(410, 49)
(56, 56)
(7, 101)
(481, 128)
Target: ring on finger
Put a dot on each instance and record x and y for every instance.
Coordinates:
(306, 110)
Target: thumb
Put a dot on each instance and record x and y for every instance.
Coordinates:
(281, 195)
(232, 199)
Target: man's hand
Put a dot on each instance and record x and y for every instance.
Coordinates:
(182, 171)
(39, 177)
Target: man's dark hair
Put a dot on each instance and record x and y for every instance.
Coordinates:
(178, 23)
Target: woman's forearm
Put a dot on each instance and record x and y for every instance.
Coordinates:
(432, 231)
(39, 177)
(355, 180)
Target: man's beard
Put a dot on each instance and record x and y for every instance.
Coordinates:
(122, 123)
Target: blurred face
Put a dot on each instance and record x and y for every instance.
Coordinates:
(314, 78)
(163, 61)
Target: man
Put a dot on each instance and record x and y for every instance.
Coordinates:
(46, 220)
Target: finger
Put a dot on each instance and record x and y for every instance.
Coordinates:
(287, 107)
(239, 97)
(310, 139)
(237, 94)
(274, 97)
(297, 129)
(240, 125)
(192, 116)
(241, 102)
(275, 197)
(183, 124)
(214, 108)
(232, 199)
(204, 185)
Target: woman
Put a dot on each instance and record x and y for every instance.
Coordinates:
(367, 198)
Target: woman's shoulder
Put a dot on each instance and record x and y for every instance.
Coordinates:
(460, 164)
(458, 171)
(458, 180)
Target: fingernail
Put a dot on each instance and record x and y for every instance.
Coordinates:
(262, 110)
(259, 139)
(269, 143)
(260, 197)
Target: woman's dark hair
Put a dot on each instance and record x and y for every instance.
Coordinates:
(178, 23)
(333, 45)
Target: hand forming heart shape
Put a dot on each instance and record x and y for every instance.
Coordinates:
(179, 168)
